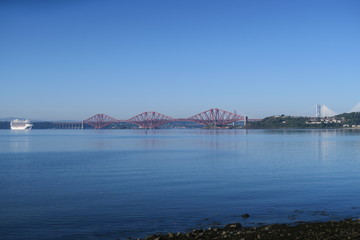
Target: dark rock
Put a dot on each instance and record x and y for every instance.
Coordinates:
(246, 215)
(346, 229)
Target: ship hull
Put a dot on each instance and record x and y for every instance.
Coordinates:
(21, 128)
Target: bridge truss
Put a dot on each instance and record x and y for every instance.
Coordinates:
(149, 120)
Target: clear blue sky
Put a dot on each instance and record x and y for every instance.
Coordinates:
(72, 59)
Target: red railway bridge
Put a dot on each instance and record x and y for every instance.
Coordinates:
(149, 120)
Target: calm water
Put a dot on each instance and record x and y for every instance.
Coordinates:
(88, 184)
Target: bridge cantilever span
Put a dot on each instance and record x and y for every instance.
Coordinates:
(100, 120)
(211, 117)
(216, 117)
(150, 119)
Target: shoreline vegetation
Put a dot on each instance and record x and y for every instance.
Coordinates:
(341, 121)
(331, 230)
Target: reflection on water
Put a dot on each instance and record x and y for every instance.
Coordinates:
(19, 140)
(323, 144)
(90, 184)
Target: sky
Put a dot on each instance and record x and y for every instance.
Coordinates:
(71, 59)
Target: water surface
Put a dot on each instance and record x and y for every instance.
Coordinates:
(109, 184)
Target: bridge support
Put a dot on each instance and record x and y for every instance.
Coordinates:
(69, 125)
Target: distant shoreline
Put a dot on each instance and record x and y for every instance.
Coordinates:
(246, 128)
(262, 125)
(341, 121)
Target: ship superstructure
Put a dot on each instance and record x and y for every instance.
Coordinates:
(18, 124)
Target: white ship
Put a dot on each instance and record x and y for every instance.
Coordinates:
(20, 124)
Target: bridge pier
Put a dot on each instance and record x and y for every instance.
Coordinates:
(69, 125)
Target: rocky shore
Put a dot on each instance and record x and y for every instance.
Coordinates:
(339, 230)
